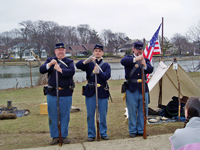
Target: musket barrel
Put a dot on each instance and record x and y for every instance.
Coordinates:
(58, 110)
(144, 102)
(97, 109)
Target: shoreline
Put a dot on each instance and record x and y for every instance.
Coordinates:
(108, 60)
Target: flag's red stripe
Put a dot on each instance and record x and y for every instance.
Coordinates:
(156, 53)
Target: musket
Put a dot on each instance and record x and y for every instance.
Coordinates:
(97, 108)
(58, 110)
(37, 57)
(144, 102)
(88, 60)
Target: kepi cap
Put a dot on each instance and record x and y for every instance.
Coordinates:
(138, 45)
(59, 45)
(98, 46)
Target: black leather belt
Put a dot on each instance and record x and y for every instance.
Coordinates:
(92, 85)
(59, 88)
(136, 80)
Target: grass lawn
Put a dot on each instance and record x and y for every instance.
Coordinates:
(33, 131)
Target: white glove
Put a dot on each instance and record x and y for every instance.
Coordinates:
(96, 70)
(89, 59)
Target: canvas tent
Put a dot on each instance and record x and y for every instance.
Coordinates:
(164, 85)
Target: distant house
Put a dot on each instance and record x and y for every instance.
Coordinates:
(89, 46)
(68, 52)
(125, 47)
(128, 45)
(80, 50)
(26, 53)
(77, 49)
(172, 50)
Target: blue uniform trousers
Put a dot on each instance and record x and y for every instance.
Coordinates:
(91, 107)
(65, 107)
(135, 111)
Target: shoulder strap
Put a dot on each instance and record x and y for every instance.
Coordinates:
(63, 62)
(133, 70)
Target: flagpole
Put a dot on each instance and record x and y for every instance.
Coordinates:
(161, 80)
(162, 41)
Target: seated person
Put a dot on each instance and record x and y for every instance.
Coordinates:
(188, 138)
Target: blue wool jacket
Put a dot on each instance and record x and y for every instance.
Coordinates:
(128, 64)
(65, 78)
(102, 78)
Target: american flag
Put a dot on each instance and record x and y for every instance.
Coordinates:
(153, 48)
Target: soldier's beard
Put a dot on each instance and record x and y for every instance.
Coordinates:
(138, 54)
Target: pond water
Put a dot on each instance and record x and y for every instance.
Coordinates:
(19, 76)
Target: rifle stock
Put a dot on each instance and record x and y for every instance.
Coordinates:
(58, 110)
(98, 132)
(60, 136)
(144, 103)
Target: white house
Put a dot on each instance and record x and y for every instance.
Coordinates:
(26, 53)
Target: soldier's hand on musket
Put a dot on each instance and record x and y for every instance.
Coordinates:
(139, 58)
(57, 67)
(94, 58)
(52, 62)
(89, 59)
(96, 70)
(143, 62)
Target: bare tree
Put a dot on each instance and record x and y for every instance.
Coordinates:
(84, 33)
(69, 35)
(5, 40)
(44, 34)
(166, 44)
(52, 35)
(181, 43)
(94, 37)
(116, 40)
(36, 34)
(5, 44)
(105, 35)
(22, 41)
(193, 34)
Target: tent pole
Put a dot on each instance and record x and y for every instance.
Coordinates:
(160, 93)
(179, 102)
(175, 67)
(160, 82)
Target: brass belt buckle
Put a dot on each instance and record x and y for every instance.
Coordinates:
(139, 80)
(59, 88)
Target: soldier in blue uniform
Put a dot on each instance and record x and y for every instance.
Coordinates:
(103, 75)
(134, 88)
(65, 68)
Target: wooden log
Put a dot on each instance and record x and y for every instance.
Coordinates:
(8, 116)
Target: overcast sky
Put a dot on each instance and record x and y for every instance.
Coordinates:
(136, 18)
